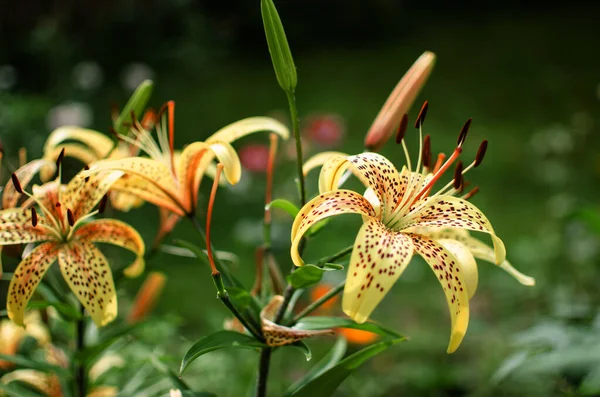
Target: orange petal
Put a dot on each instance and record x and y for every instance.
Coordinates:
(147, 297)
(144, 190)
(118, 233)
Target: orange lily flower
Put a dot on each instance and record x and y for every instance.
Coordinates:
(64, 233)
(171, 180)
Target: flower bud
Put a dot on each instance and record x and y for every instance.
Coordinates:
(147, 297)
(281, 56)
(399, 102)
(136, 105)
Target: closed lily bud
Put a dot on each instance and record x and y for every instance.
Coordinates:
(135, 105)
(399, 102)
(281, 56)
(147, 297)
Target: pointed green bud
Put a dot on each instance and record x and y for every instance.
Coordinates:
(136, 105)
(283, 63)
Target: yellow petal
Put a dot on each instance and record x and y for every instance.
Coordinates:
(155, 172)
(373, 170)
(16, 227)
(83, 193)
(118, 233)
(379, 257)
(447, 211)
(250, 125)
(193, 162)
(38, 380)
(279, 335)
(319, 159)
(323, 206)
(27, 276)
(74, 150)
(86, 271)
(10, 197)
(97, 142)
(445, 267)
(124, 202)
(465, 261)
(131, 185)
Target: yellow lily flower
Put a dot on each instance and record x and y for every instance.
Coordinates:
(388, 237)
(171, 180)
(64, 234)
(88, 146)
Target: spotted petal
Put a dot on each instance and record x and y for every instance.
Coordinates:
(193, 162)
(279, 335)
(83, 193)
(379, 257)
(153, 171)
(448, 211)
(465, 261)
(445, 267)
(323, 206)
(16, 227)
(319, 159)
(74, 150)
(373, 170)
(250, 125)
(118, 233)
(86, 271)
(27, 276)
(10, 197)
(97, 142)
(131, 185)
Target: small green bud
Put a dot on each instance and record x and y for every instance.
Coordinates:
(283, 63)
(136, 104)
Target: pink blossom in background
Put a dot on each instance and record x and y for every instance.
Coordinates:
(254, 157)
(326, 130)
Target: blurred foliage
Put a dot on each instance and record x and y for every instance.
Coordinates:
(527, 76)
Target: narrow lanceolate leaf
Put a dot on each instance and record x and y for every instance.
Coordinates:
(326, 383)
(285, 205)
(325, 322)
(331, 358)
(218, 340)
(308, 275)
(281, 56)
(136, 104)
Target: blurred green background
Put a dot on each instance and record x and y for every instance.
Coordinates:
(528, 76)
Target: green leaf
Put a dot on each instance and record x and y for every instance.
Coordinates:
(111, 335)
(285, 205)
(137, 103)
(281, 56)
(303, 347)
(7, 276)
(326, 383)
(325, 322)
(197, 394)
(333, 356)
(65, 309)
(31, 364)
(13, 389)
(218, 340)
(308, 275)
(240, 297)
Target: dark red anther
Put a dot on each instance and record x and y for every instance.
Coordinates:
(60, 158)
(102, 205)
(463, 132)
(402, 128)
(426, 151)
(34, 218)
(481, 153)
(458, 179)
(133, 118)
(16, 183)
(422, 114)
(70, 217)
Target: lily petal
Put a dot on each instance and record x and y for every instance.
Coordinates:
(118, 233)
(193, 162)
(373, 170)
(144, 190)
(448, 211)
(250, 125)
(122, 201)
(83, 193)
(86, 271)
(10, 197)
(99, 143)
(465, 261)
(74, 150)
(323, 206)
(445, 267)
(279, 335)
(319, 159)
(16, 227)
(27, 276)
(379, 257)
(153, 171)
(168, 221)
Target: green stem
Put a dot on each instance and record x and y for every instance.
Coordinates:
(80, 377)
(336, 256)
(316, 304)
(263, 372)
(296, 130)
